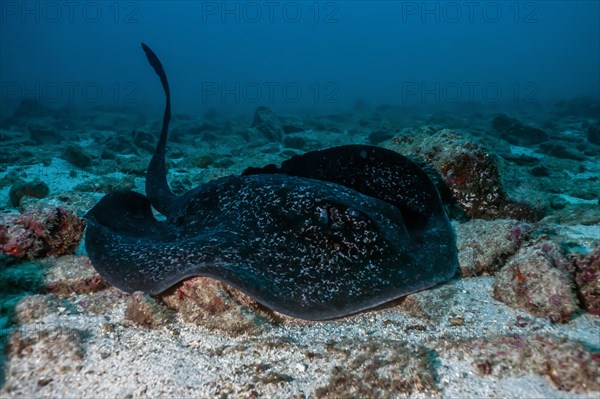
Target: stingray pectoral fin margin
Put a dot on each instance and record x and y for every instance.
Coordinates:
(135, 252)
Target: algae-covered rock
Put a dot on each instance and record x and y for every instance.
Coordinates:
(35, 189)
(484, 245)
(39, 232)
(587, 277)
(569, 365)
(538, 279)
(216, 306)
(145, 311)
(77, 156)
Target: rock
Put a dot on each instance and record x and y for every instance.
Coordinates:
(107, 154)
(330, 124)
(73, 202)
(465, 173)
(538, 280)
(67, 117)
(295, 142)
(43, 134)
(484, 246)
(35, 189)
(72, 274)
(521, 159)
(593, 134)
(37, 349)
(587, 278)
(181, 184)
(199, 161)
(216, 306)
(101, 302)
(474, 180)
(469, 174)
(43, 381)
(267, 123)
(15, 154)
(144, 311)
(120, 145)
(27, 109)
(77, 156)
(432, 307)
(559, 151)
(106, 184)
(378, 136)
(224, 163)
(144, 140)
(292, 124)
(569, 365)
(83, 286)
(557, 203)
(134, 166)
(540, 171)
(516, 133)
(40, 232)
(585, 106)
(206, 127)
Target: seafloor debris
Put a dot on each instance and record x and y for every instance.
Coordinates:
(538, 279)
(472, 176)
(77, 156)
(27, 109)
(20, 189)
(484, 245)
(216, 306)
(267, 123)
(468, 171)
(587, 278)
(43, 134)
(569, 365)
(106, 184)
(38, 232)
(593, 133)
(558, 150)
(71, 274)
(515, 132)
(145, 311)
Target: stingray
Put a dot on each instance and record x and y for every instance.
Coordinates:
(326, 234)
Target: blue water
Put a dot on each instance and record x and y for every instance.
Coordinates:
(299, 56)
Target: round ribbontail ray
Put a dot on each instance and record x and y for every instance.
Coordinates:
(326, 234)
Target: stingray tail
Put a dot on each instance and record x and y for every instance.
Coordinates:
(157, 187)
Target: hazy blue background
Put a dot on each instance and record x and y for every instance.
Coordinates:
(335, 52)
